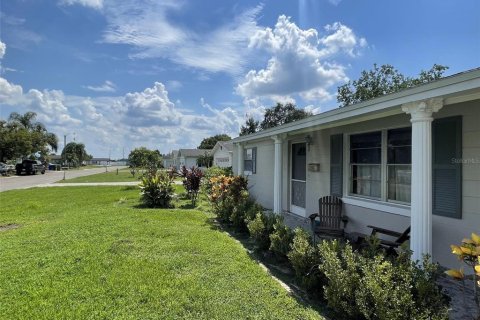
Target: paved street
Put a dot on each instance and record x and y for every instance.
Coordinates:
(23, 182)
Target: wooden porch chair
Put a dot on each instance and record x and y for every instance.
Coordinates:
(328, 221)
(400, 237)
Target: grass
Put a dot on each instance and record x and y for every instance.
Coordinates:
(94, 253)
(123, 175)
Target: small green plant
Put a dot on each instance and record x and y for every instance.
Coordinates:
(362, 287)
(157, 190)
(305, 259)
(260, 229)
(281, 239)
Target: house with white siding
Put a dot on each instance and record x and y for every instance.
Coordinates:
(222, 154)
(411, 158)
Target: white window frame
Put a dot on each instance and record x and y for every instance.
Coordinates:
(383, 202)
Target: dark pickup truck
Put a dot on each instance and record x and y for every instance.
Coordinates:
(30, 167)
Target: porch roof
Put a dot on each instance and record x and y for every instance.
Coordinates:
(456, 88)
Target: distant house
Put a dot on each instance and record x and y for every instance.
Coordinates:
(222, 154)
(56, 159)
(188, 157)
(170, 159)
(99, 161)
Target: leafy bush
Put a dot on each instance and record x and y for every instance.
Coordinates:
(260, 229)
(157, 190)
(214, 172)
(469, 253)
(192, 179)
(243, 212)
(305, 259)
(360, 287)
(281, 239)
(227, 194)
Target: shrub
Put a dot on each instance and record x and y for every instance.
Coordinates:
(157, 190)
(214, 172)
(360, 287)
(243, 212)
(469, 253)
(227, 194)
(305, 259)
(281, 239)
(191, 181)
(260, 229)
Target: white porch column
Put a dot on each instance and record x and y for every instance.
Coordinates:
(421, 188)
(240, 162)
(277, 175)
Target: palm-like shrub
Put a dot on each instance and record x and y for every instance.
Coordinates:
(157, 190)
(192, 179)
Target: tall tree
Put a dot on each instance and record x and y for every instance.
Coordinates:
(251, 126)
(145, 158)
(209, 143)
(281, 114)
(21, 137)
(75, 153)
(383, 80)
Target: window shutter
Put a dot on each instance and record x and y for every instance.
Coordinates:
(254, 160)
(336, 165)
(446, 172)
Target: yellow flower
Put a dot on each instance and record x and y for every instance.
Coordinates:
(454, 273)
(468, 250)
(477, 270)
(476, 239)
(468, 241)
(456, 250)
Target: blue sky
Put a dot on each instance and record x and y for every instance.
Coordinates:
(166, 74)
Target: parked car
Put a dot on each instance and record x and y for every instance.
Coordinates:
(6, 169)
(30, 167)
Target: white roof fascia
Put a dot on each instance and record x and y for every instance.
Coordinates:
(444, 87)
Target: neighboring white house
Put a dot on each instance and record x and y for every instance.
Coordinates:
(169, 159)
(407, 158)
(99, 161)
(222, 154)
(184, 157)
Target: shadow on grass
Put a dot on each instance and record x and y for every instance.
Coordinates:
(279, 267)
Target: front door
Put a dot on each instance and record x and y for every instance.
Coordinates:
(298, 185)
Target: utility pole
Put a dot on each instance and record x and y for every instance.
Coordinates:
(64, 149)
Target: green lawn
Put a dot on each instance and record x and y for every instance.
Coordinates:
(93, 253)
(110, 176)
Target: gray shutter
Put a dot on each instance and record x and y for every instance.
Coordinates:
(254, 160)
(336, 165)
(447, 167)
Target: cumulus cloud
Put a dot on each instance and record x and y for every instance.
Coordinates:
(95, 4)
(151, 107)
(107, 86)
(3, 48)
(299, 61)
(148, 28)
(107, 124)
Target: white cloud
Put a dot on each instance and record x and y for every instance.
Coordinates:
(107, 124)
(95, 4)
(174, 85)
(3, 48)
(151, 107)
(23, 37)
(107, 86)
(149, 30)
(299, 61)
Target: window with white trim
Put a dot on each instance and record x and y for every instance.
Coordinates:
(380, 165)
(250, 161)
(399, 164)
(366, 164)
